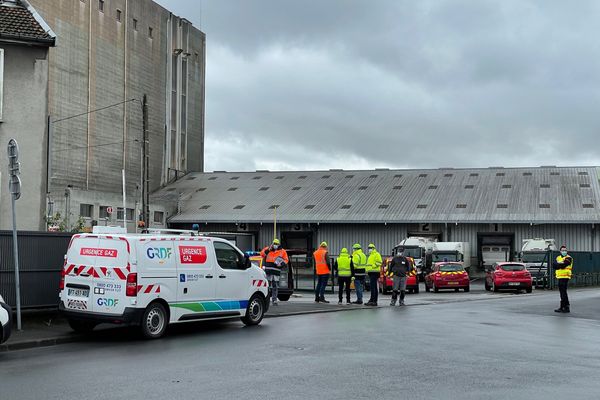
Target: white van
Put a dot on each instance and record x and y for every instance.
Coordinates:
(158, 278)
(5, 321)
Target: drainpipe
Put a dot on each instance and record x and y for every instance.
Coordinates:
(89, 100)
(125, 37)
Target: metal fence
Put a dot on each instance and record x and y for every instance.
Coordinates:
(41, 256)
(586, 268)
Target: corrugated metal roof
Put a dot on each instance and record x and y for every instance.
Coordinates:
(536, 195)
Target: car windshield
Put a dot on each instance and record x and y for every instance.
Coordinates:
(451, 268)
(439, 257)
(512, 267)
(533, 257)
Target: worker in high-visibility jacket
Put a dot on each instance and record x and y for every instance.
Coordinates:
(274, 260)
(373, 271)
(358, 266)
(323, 269)
(563, 270)
(344, 274)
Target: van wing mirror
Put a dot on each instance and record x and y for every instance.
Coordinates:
(247, 263)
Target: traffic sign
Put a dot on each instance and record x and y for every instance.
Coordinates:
(109, 210)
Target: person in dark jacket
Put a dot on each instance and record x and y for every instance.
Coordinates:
(398, 269)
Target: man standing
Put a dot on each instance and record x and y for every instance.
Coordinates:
(563, 267)
(344, 273)
(374, 271)
(323, 267)
(274, 259)
(398, 269)
(358, 268)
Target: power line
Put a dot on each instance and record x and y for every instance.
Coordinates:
(93, 111)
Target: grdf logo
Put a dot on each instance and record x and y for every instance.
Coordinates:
(161, 253)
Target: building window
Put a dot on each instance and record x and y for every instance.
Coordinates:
(130, 212)
(1, 79)
(103, 212)
(118, 15)
(159, 217)
(150, 32)
(101, 5)
(86, 210)
(135, 21)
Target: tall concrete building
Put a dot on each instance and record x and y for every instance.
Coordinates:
(109, 54)
(25, 40)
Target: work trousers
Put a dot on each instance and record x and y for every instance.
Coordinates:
(373, 277)
(344, 282)
(274, 284)
(564, 297)
(321, 286)
(399, 287)
(359, 284)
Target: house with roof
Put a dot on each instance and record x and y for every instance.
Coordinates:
(493, 209)
(25, 40)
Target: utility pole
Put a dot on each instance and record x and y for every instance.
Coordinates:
(145, 165)
(15, 194)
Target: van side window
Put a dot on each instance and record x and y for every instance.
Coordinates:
(228, 257)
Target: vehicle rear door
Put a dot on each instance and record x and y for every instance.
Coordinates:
(110, 270)
(78, 294)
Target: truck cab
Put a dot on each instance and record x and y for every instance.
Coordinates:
(534, 254)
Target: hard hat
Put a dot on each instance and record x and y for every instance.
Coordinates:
(276, 241)
(344, 250)
(371, 246)
(356, 247)
(323, 244)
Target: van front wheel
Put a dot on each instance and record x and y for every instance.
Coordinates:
(255, 311)
(154, 321)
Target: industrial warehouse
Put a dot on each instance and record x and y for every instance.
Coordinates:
(492, 209)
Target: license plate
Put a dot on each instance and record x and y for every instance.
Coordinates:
(452, 283)
(514, 284)
(79, 292)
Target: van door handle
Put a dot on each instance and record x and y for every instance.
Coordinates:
(209, 276)
(84, 275)
(222, 276)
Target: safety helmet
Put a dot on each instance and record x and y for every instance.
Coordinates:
(356, 247)
(323, 244)
(371, 246)
(344, 250)
(276, 241)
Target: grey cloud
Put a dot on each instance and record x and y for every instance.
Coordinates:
(339, 84)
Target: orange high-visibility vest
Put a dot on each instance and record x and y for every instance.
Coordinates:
(321, 261)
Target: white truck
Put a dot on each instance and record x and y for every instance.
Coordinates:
(534, 254)
(452, 251)
(420, 250)
(158, 278)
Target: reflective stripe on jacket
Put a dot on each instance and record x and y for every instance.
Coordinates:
(321, 262)
(270, 257)
(359, 263)
(343, 264)
(567, 272)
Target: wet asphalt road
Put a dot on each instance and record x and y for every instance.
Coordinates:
(509, 347)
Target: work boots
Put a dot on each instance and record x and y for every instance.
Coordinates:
(322, 300)
(394, 298)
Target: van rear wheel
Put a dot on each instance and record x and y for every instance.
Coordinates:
(255, 311)
(154, 321)
(82, 326)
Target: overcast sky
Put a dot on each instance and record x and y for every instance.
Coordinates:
(294, 85)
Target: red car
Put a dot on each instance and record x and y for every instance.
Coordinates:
(508, 275)
(447, 275)
(386, 283)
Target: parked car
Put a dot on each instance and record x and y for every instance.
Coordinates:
(5, 321)
(508, 275)
(386, 283)
(447, 275)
